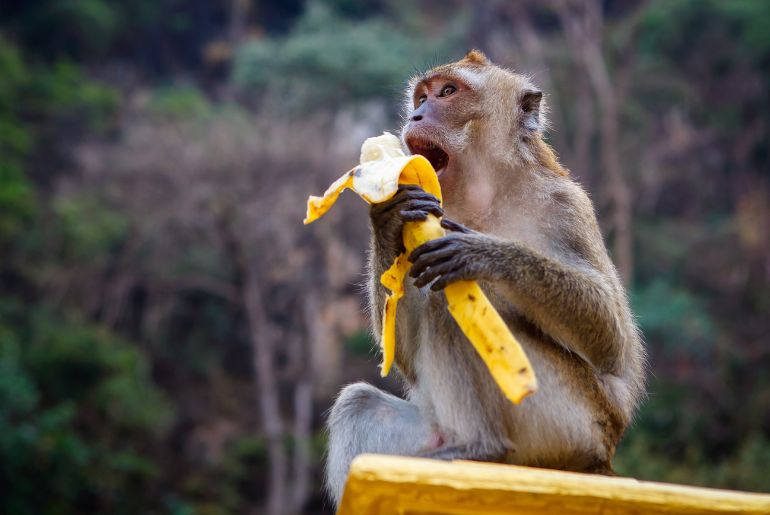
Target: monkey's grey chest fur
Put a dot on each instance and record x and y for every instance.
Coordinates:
(455, 390)
(448, 367)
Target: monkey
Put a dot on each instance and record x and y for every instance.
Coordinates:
(527, 232)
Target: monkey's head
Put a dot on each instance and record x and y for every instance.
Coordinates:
(471, 114)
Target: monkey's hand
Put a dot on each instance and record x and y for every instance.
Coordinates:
(410, 204)
(458, 256)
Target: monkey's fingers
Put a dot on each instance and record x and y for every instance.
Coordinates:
(440, 273)
(422, 205)
(406, 201)
(431, 259)
(415, 191)
(414, 216)
(457, 274)
(453, 226)
(431, 246)
(411, 191)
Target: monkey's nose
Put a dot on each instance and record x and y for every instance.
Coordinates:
(416, 117)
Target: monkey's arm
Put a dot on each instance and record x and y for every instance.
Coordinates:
(578, 307)
(378, 263)
(411, 203)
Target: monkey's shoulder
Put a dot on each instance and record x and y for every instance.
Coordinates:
(569, 222)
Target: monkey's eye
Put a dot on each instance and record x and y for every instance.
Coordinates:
(447, 90)
(422, 99)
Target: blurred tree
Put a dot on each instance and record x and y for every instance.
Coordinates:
(149, 228)
(316, 64)
(70, 396)
(200, 195)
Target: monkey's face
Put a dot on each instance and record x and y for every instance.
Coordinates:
(470, 118)
(441, 107)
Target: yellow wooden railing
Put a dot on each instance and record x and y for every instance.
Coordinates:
(379, 485)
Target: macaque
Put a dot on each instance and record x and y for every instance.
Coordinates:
(519, 225)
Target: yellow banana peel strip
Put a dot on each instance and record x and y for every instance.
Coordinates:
(383, 167)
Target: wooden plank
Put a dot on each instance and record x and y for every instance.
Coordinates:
(379, 485)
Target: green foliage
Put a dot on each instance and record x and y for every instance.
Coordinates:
(676, 433)
(16, 192)
(673, 317)
(82, 425)
(79, 416)
(360, 343)
(17, 204)
(722, 44)
(95, 22)
(677, 29)
(82, 28)
(31, 99)
(180, 102)
(89, 230)
(318, 63)
(42, 92)
(62, 92)
(14, 139)
(745, 469)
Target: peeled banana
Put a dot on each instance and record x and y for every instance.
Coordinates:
(383, 167)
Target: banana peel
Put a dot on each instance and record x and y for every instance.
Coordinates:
(383, 168)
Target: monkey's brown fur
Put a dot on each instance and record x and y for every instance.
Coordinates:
(529, 234)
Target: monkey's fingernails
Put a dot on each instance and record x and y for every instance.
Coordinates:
(421, 281)
(416, 253)
(418, 266)
(443, 281)
(439, 285)
(416, 271)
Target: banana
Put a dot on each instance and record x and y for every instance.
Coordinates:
(383, 167)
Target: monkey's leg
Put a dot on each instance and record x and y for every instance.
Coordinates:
(474, 452)
(365, 419)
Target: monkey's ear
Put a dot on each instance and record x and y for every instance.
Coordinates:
(476, 57)
(530, 108)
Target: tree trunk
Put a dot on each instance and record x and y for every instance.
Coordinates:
(262, 344)
(583, 27)
(262, 337)
(301, 365)
(302, 462)
(584, 129)
(238, 17)
(617, 186)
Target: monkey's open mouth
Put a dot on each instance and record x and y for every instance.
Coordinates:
(430, 151)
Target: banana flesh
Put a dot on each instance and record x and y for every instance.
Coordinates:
(383, 167)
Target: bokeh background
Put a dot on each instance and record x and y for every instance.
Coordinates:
(170, 333)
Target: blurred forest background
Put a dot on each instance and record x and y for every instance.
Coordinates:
(170, 333)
